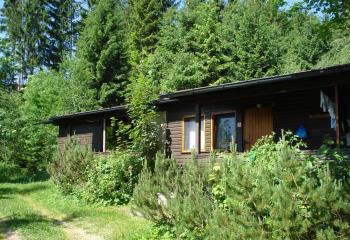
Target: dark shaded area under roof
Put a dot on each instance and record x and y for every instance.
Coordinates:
(167, 97)
(120, 110)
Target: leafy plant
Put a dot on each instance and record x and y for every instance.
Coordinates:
(69, 169)
(111, 179)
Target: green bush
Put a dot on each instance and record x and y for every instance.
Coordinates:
(276, 191)
(104, 179)
(175, 196)
(281, 193)
(111, 178)
(12, 173)
(70, 165)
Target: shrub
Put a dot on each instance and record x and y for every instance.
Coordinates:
(69, 169)
(279, 193)
(12, 173)
(112, 178)
(175, 196)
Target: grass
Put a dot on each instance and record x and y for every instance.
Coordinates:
(36, 210)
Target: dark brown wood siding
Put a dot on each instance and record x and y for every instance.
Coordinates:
(174, 124)
(63, 135)
(289, 110)
(88, 134)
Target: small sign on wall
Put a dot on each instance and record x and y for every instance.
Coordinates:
(239, 124)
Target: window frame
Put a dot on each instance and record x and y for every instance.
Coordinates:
(183, 150)
(212, 125)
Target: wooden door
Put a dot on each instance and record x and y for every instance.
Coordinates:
(257, 122)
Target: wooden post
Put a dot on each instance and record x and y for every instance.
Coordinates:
(104, 136)
(198, 128)
(337, 128)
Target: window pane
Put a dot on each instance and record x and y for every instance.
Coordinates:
(225, 130)
(190, 133)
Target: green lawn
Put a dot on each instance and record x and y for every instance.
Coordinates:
(37, 210)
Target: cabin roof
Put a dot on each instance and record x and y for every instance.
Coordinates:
(256, 82)
(92, 113)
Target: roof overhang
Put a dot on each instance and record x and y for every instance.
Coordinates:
(287, 78)
(94, 114)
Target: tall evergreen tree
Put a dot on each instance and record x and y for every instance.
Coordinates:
(102, 46)
(304, 40)
(144, 23)
(62, 27)
(7, 66)
(191, 52)
(40, 32)
(252, 32)
(22, 24)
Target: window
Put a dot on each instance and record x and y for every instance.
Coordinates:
(189, 134)
(224, 130)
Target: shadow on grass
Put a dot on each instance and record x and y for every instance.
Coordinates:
(14, 222)
(6, 192)
(12, 174)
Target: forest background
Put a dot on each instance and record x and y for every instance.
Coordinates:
(58, 57)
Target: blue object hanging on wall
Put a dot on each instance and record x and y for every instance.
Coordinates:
(301, 132)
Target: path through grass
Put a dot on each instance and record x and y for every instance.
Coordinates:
(37, 210)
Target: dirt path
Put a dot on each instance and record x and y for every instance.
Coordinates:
(8, 234)
(72, 232)
(12, 235)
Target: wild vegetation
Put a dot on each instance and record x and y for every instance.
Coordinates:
(33, 208)
(59, 57)
(106, 179)
(88, 54)
(273, 192)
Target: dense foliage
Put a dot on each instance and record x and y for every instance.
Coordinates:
(280, 193)
(102, 49)
(58, 57)
(112, 178)
(69, 168)
(106, 179)
(78, 55)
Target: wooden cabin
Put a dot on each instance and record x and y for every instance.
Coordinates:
(91, 128)
(312, 104)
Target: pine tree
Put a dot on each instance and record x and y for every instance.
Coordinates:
(102, 47)
(191, 52)
(21, 21)
(40, 33)
(144, 23)
(62, 28)
(252, 32)
(304, 41)
(7, 66)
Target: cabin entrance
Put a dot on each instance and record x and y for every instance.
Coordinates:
(257, 122)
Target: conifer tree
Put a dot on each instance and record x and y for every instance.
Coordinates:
(62, 28)
(103, 50)
(40, 33)
(191, 52)
(304, 41)
(21, 22)
(252, 32)
(144, 24)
